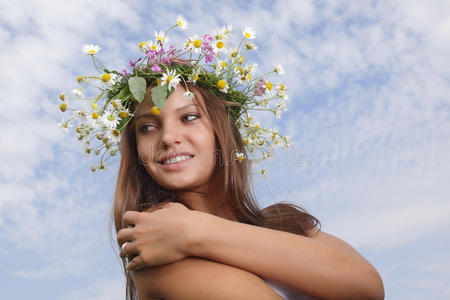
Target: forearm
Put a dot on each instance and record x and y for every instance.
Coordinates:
(201, 279)
(298, 262)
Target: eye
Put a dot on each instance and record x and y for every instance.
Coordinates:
(146, 128)
(188, 116)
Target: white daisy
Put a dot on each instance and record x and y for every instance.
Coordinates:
(181, 22)
(220, 66)
(64, 125)
(251, 46)
(249, 33)
(78, 93)
(91, 49)
(194, 43)
(110, 119)
(240, 156)
(280, 109)
(161, 36)
(189, 95)
(223, 86)
(113, 136)
(278, 69)
(171, 78)
(80, 114)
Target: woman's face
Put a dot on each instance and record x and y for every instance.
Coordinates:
(178, 146)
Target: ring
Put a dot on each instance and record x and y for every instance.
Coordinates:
(123, 248)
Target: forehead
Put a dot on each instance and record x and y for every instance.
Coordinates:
(175, 102)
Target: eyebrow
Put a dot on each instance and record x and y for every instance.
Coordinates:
(150, 115)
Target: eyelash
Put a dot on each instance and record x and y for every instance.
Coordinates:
(142, 129)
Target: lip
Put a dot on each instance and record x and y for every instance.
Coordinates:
(174, 154)
(176, 166)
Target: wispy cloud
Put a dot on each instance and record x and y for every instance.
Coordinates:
(368, 109)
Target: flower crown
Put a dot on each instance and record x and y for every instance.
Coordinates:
(208, 61)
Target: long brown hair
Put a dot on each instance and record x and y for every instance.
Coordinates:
(136, 190)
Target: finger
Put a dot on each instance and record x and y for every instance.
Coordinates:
(130, 250)
(135, 264)
(129, 217)
(125, 234)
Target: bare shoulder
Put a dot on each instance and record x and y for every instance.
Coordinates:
(198, 278)
(334, 241)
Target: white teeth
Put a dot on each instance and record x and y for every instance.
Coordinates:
(176, 159)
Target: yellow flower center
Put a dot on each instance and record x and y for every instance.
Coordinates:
(240, 70)
(94, 106)
(92, 51)
(224, 64)
(219, 44)
(169, 78)
(221, 84)
(282, 87)
(155, 110)
(261, 142)
(123, 114)
(234, 54)
(153, 47)
(142, 44)
(246, 142)
(269, 85)
(114, 104)
(188, 43)
(196, 77)
(80, 79)
(247, 35)
(116, 132)
(219, 37)
(63, 107)
(77, 129)
(106, 77)
(94, 115)
(249, 77)
(241, 60)
(197, 43)
(111, 117)
(62, 96)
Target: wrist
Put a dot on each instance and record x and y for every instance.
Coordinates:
(200, 224)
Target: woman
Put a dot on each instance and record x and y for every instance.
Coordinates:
(208, 239)
(184, 212)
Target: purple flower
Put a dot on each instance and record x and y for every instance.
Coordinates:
(124, 73)
(151, 54)
(133, 64)
(156, 68)
(166, 61)
(259, 90)
(207, 38)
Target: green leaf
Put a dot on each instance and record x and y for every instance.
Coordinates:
(138, 86)
(124, 93)
(123, 122)
(159, 96)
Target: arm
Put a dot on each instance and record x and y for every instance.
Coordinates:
(321, 266)
(200, 279)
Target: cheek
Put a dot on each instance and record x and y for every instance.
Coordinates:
(144, 150)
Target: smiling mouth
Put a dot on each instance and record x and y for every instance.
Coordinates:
(175, 160)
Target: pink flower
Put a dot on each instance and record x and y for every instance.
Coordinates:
(156, 68)
(166, 61)
(124, 73)
(260, 89)
(133, 64)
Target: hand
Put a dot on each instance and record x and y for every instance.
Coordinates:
(159, 236)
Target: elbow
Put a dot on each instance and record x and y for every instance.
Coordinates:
(375, 286)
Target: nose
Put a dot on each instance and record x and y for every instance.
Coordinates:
(170, 135)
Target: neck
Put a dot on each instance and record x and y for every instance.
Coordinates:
(209, 198)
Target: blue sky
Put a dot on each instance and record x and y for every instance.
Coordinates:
(368, 85)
